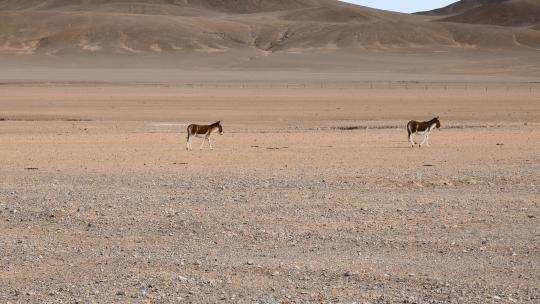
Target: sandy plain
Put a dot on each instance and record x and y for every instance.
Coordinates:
(310, 196)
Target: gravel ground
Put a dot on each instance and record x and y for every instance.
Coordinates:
(311, 196)
(349, 225)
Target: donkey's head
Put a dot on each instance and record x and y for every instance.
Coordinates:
(220, 128)
(437, 122)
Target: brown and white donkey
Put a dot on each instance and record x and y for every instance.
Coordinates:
(424, 128)
(203, 131)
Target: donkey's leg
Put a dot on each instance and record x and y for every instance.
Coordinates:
(210, 143)
(411, 134)
(411, 140)
(423, 141)
(202, 145)
(188, 144)
(427, 139)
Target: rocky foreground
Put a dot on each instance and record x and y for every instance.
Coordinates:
(435, 232)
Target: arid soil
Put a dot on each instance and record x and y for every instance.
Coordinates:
(310, 196)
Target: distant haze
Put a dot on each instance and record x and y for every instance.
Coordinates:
(405, 6)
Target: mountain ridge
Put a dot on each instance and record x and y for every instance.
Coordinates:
(507, 13)
(458, 7)
(138, 27)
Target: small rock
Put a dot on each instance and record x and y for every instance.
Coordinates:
(496, 297)
(349, 274)
(121, 293)
(250, 262)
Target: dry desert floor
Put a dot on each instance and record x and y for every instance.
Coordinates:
(311, 196)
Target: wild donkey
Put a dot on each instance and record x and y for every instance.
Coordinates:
(202, 131)
(424, 127)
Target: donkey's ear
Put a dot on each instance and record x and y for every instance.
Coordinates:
(437, 117)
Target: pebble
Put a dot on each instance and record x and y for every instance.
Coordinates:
(349, 274)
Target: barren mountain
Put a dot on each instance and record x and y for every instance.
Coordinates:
(140, 6)
(459, 7)
(177, 26)
(508, 13)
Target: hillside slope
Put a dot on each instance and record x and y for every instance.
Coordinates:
(230, 6)
(136, 27)
(459, 7)
(508, 13)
